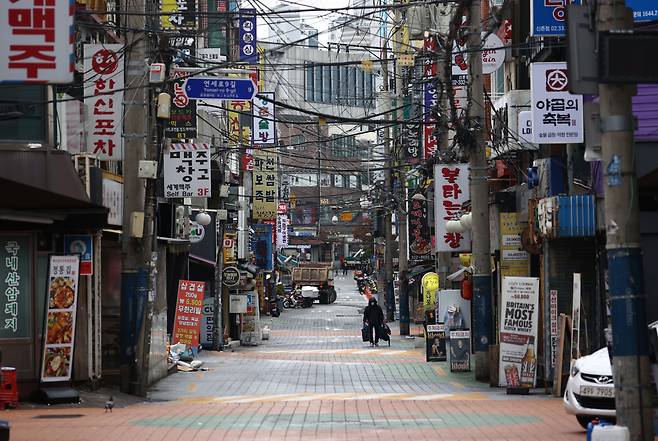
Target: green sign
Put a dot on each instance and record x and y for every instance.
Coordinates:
(15, 287)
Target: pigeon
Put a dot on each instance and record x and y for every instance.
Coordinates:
(109, 404)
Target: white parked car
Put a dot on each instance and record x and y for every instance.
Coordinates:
(590, 391)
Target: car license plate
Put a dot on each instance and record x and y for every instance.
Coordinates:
(600, 392)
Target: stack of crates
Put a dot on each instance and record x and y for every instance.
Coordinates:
(8, 388)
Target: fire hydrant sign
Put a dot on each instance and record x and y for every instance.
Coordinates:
(187, 171)
(189, 309)
(36, 43)
(103, 79)
(450, 192)
(519, 318)
(557, 115)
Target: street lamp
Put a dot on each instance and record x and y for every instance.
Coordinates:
(203, 218)
(334, 219)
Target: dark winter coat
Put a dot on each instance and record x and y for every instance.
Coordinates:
(373, 314)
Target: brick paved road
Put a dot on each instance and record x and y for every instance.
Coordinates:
(314, 380)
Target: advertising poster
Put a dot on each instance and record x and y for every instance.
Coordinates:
(182, 122)
(264, 125)
(187, 171)
(62, 301)
(420, 239)
(460, 352)
(16, 284)
(453, 310)
(103, 79)
(518, 332)
(451, 191)
(82, 244)
(189, 307)
(514, 260)
(41, 51)
(251, 334)
(557, 115)
(265, 185)
(435, 343)
(430, 285)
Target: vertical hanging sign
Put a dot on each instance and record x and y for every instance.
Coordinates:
(247, 44)
(187, 171)
(62, 298)
(430, 109)
(451, 191)
(420, 239)
(265, 185)
(264, 126)
(103, 79)
(15, 282)
(182, 122)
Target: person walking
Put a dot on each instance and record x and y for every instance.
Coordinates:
(373, 317)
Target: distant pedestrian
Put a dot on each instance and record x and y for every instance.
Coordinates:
(344, 268)
(373, 317)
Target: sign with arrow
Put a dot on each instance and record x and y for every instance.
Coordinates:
(220, 88)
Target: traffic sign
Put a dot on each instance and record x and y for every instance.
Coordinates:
(220, 88)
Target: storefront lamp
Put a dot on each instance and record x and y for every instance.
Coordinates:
(466, 221)
(454, 226)
(334, 219)
(203, 218)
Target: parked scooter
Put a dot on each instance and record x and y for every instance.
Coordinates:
(274, 307)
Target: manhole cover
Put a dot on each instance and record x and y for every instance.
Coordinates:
(57, 417)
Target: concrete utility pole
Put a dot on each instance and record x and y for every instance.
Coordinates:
(627, 302)
(388, 189)
(479, 200)
(403, 257)
(136, 135)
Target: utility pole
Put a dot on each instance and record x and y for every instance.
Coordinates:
(136, 135)
(388, 188)
(630, 363)
(217, 334)
(403, 258)
(479, 200)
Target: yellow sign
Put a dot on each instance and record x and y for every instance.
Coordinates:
(514, 260)
(265, 185)
(229, 247)
(430, 285)
(239, 123)
(346, 216)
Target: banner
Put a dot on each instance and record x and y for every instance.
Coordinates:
(514, 260)
(264, 125)
(187, 171)
(182, 122)
(420, 239)
(82, 244)
(189, 305)
(248, 40)
(518, 332)
(103, 79)
(36, 41)
(575, 317)
(265, 185)
(435, 343)
(16, 286)
(62, 298)
(282, 231)
(557, 115)
(451, 191)
(460, 351)
(430, 101)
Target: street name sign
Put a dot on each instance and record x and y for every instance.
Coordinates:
(220, 88)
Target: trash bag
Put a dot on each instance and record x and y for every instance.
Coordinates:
(385, 333)
(365, 333)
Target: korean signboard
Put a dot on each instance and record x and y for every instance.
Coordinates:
(460, 351)
(82, 244)
(420, 239)
(451, 190)
(281, 231)
(104, 84)
(239, 122)
(557, 115)
(514, 260)
(248, 35)
(189, 305)
(643, 10)
(435, 343)
(183, 46)
(548, 17)
(553, 314)
(36, 43)
(187, 171)
(262, 246)
(178, 14)
(61, 298)
(208, 321)
(265, 184)
(493, 56)
(430, 100)
(204, 246)
(182, 121)
(519, 317)
(264, 128)
(228, 247)
(15, 283)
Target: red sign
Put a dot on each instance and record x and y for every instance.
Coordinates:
(189, 304)
(283, 208)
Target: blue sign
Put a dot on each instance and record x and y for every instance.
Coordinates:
(643, 10)
(262, 246)
(248, 50)
(220, 88)
(549, 17)
(82, 244)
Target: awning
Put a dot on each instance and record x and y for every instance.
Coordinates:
(41, 186)
(419, 270)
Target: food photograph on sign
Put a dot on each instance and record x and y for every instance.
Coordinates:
(57, 362)
(61, 293)
(60, 328)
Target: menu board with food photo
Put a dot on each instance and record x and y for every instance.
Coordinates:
(62, 296)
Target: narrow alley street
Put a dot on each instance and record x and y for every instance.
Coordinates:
(313, 380)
